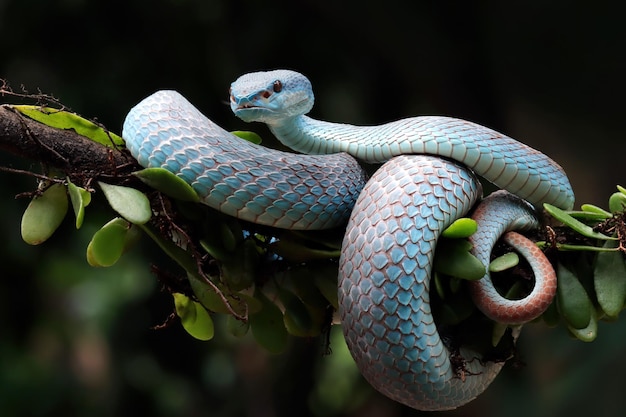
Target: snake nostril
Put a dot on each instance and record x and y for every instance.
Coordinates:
(266, 94)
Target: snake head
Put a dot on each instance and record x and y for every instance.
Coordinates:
(271, 96)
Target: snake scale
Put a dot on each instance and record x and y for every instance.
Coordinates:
(428, 180)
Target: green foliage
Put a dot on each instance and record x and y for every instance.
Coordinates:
(592, 285)
(572, 300)
(573, 223)
(44, 214)
(109, 243)
(454, 259)
(281, 283)
(504, 262)
(130, 203)
(62, 119)
(460, 228)
(169, 184)
(80, 199)
(249, 136)
(194, 317)
(610, 280)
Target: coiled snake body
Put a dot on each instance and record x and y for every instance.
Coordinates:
(392, 231)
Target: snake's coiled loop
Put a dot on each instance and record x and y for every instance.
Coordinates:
(392, 233)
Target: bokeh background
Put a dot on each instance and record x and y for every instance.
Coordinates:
(77, 341)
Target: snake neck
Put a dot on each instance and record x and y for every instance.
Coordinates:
(315, 137)
(507, 163)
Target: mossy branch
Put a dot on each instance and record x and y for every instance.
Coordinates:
(62, 149)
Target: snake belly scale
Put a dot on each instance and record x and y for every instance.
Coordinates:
(385, 267)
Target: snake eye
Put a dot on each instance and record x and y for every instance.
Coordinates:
(277, 86)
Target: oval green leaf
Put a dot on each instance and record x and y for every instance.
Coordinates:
(168, 183)
(237, 327)
(453, 258)
(267, 325)
(617, 202)
(461, 228)
(609, 280)
(504, 262)
(590, 208)
(108, 243)
(44, 215)
(572, 299)
(297, 318)
(589, 332)
(131, 204)
(194, 318)
(249, 136)
(327, 285)
(80, 199)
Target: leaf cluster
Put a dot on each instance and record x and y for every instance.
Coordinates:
(277, 283)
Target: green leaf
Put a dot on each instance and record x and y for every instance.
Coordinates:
(590, 208)
(61, 119)
(572, 300)
(589, 332)
(302, 280)
(131, 204)
(551, 316)
(617, 202)
(574, 224)
(44, 215)
(568, 247)
(461, 228)
(504, 262)
(236, 327)
(453, 258)
(80, 199)
(194, 318)
(609, 279)
(207, 294)
(327, 285)
(182, 257)
(298, 250)
(589, 216)
(267, 325)
(168, 183)
(499, 329)
(108, 243)
(249, 136)
(239, 271)
(297, 319)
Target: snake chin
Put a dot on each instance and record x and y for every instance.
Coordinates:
(251, 113)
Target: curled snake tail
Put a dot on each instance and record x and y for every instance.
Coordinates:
(497, 216)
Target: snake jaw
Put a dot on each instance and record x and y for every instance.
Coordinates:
(251, 110)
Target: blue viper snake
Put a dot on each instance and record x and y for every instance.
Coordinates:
(427, 180)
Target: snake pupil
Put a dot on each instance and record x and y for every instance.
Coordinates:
(277, 86)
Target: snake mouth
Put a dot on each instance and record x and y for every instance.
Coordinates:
(247, 106)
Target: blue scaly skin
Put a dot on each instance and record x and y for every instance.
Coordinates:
(384, 271)
(391, 235)
(237, 177)
(507, 163)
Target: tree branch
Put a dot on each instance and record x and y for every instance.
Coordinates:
(62, 149)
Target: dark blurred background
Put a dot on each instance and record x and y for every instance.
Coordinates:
(76, 341)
